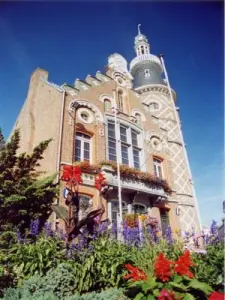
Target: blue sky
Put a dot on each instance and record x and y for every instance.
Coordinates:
(71, 40)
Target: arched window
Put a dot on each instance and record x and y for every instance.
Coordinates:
(147, 73)
(107, 105)
(120, 100)
(142, 50)
(82, 147)
(139, 209)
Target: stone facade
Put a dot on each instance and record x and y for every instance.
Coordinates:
(61, 112)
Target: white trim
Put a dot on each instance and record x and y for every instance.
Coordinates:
(88, 104)
(83, 140)
(136, 111)
(87, 111)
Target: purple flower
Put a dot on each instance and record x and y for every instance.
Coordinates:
(19, 238)
(169, 235)
(213, 227)
(131, 236)
(48, 229)
(34, 227)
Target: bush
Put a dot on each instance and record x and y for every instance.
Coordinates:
(209, 267)
(111, 294)
(29, 259)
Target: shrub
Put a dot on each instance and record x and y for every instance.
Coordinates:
(36, 258)
(210, 267)
(112, 294)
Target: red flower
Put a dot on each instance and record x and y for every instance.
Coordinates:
(72, 173)
(100, 181)
(183, 264)
(162, 267)
(166, 295)
(136, 274)
(216, 296)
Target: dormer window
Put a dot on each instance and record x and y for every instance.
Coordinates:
(147, 73)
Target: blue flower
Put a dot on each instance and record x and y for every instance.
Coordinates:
(48, 229)
(34, 227)
(213, 227)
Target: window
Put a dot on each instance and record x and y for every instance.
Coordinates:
(142, 50)
(129, 144)
(120, 100)
(82, 147)
(147, 73)
(115, 210)
(157, 167)
(164, 216)
(85, 206)
(107, 105)
(154, 106)
(84, 116)
(139, 209)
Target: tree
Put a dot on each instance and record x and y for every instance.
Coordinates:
(2, 140)
(24, 195)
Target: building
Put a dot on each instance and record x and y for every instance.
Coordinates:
(81, 121)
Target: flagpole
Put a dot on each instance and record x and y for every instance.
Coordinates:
(182, 140)
(118, 164)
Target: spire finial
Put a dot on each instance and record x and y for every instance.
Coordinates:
(139, 31)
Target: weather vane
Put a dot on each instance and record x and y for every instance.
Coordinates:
(139, 31)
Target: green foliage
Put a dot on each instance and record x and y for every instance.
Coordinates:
(36, 258)
(2, 140)
(103, 267)
(112, 294)
(150, 285)
(210, 267)
(23, 196)
(144, 257)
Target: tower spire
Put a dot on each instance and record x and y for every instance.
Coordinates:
(139, 31)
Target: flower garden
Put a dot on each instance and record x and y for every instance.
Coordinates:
(37, 262)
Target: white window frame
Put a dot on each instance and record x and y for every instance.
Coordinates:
(83, 140)
(157, 162)
(129, 144)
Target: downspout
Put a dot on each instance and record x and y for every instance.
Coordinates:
(60, 135)
(182, 141)
(59, 148)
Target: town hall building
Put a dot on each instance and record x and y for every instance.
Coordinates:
(146, 137)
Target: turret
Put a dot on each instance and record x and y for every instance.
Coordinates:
(145, 68)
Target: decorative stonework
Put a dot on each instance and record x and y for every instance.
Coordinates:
(85, 103)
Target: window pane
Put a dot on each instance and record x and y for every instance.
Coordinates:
(77, 150)
(159, 171)
(123, 133)
(134, 137)
(86, 146)
(86, 155)
(111, 130)
(136, 159)
(112, 150)
(124, 150)
(155, 170)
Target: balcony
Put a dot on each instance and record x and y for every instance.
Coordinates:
(131, 179)
(138, 181)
